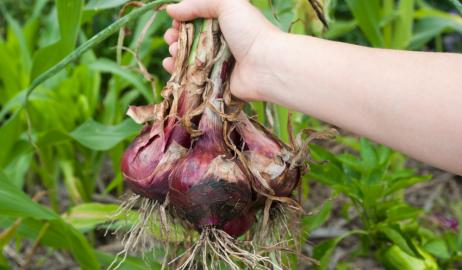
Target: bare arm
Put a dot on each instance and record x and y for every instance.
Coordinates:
(410, 101)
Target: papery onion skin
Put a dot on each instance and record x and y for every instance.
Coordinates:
(209, 187)
(147, 164)
(269, 158)
(149, 160)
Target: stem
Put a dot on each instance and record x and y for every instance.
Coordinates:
(211, 123)
(95, 40)
(388, 6)
(199, 27)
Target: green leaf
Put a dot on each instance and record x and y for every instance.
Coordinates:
(69, 16)
(432, 23)
(321, 154)
(9, 133)
(86, 217)
(323, 252)
(389, 14)
(19, 164)
(438, 248)
(104, 4)
(15, 203)
(458, 5)
(92, 42)
(395, 258)
(96, 136)
(459, 235)
(403, 25)
(339, 29)
(10, 78)
(313, 222)
(52, 137)
(81, 249)
(402, 212)
(403, 183)
(131, 263)
(25, 55)
(109, 66)
(281, 122)
(72, 183)
(368, 154)
(399, 239)
(367, 15)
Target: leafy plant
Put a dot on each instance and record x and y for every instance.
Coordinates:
(60, 156)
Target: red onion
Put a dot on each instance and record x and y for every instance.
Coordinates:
(269, 159)
(208, 187)
(149, 160)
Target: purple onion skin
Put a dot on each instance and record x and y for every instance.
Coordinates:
(209, 189)
(238, 226)
(140, 162)
(264, 151)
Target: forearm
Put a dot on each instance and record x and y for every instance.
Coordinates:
(410, 101)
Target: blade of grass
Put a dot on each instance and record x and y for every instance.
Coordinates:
(69, 17)
(388, 6)
(18, 32)
(367, 14)
(282, 117)
(95, 40)
(404, 24)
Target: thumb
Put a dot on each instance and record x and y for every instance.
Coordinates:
(188, 10)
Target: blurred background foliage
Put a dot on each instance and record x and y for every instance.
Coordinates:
(60, 175)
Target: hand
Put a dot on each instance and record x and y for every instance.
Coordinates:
(245, 29)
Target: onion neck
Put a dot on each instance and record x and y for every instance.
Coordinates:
(211, 123)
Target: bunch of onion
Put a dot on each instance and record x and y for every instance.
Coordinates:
(167, 133)
(200, 156)
(147, 163)
(208, 188)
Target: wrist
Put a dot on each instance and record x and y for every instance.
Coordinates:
(268, 76)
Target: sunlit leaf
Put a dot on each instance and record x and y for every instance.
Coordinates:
(399, 239)
(367, 15)
(438, 248)
(404, 25)
(106, 65)
(131, 263)
(313, 222)
(14, 203)
(96, 136)
(69, 15)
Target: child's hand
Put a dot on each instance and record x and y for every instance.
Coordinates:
(245, 29)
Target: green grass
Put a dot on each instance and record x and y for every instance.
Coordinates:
(60, 156)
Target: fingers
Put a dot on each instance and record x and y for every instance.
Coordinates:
(176, 24)
(171, 35)
(191, 9)
(185, 11)
(168, 64)
(173, 49)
